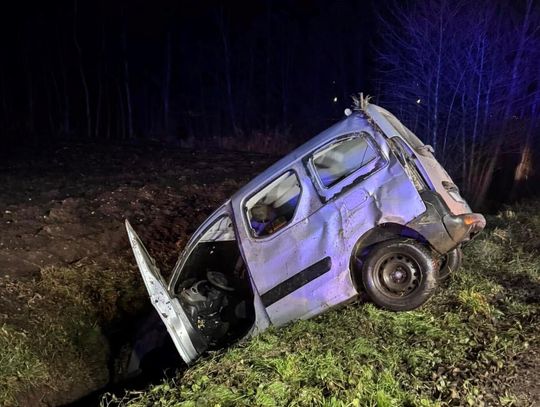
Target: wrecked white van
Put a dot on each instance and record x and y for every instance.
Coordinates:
(362, 207)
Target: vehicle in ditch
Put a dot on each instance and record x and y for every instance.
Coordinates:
(362, 207)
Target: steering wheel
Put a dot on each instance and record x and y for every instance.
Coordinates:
(218, 280)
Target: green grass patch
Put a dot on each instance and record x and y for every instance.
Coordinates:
(17, 361)
(52, 335)
(458, 349)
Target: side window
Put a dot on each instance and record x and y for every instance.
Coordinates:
(273, 207)
(340, 159)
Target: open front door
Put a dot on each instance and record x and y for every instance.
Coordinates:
(179, 327)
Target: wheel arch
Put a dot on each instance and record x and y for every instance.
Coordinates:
(376, 235)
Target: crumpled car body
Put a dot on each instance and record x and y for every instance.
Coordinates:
(363, 206)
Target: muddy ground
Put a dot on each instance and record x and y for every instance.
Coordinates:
(64, 251)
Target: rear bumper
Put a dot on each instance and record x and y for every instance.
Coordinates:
(441, 228)
(463, 228)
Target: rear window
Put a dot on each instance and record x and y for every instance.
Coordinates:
(339, 160)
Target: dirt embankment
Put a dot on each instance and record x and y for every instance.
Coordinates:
(66, 272)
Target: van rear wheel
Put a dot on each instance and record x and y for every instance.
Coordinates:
(400, 275)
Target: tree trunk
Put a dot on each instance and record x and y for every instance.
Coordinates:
(167, 86)
(82, 74)
(473, 157)
(437, 82)
(487, 175)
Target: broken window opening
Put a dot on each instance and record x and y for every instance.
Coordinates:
(274, 206)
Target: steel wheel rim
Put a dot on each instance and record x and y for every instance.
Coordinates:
(397, 275)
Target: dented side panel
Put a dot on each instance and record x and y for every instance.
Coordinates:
(301, 247)
(325, 233)
(388, 196)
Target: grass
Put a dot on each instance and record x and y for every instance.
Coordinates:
(17, 360)
(54, 337)
(458, 349)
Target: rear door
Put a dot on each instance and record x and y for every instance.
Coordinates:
(168, 307)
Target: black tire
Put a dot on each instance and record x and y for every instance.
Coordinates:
(450, 263)
(400, 275)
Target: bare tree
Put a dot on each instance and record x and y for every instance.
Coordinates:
(527, 30)
(443, 62)
(166, 92)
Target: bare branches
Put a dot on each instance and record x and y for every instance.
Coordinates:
(458, 72)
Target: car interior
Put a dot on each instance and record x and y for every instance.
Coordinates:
(214, 287)
(273, 207)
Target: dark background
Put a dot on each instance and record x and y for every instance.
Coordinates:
(276, 64)
(267, 75)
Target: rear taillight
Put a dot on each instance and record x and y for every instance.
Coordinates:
(470, 219)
